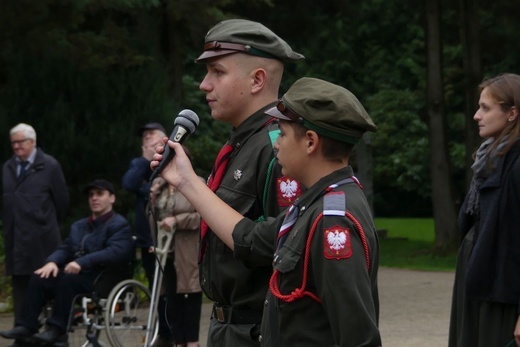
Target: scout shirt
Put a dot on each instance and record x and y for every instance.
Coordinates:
(224, 279)
(349, 310)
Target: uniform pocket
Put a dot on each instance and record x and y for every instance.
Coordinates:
(240, 201)
(287, 259)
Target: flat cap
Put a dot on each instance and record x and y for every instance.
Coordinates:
(244, 36)
(150, 126)
(100, 184)
(328, 109)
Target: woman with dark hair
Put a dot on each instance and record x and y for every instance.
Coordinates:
(486, 294)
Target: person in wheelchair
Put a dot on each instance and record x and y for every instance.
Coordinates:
(95, 242)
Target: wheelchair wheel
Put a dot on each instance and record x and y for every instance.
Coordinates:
(126, 315)
(81, 331)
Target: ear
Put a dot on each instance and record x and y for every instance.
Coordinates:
(259, 80)
(512, 114)
(312, 141)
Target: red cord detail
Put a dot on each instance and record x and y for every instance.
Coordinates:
(299, 293)
(362, 236)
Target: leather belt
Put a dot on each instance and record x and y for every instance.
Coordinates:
(230, 315)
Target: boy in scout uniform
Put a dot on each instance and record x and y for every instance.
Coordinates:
(245, 62)
(324, 250)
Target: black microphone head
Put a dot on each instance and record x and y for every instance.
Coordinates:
(188, 119)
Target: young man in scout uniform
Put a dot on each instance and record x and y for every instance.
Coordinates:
(323, 291)
(245, 62)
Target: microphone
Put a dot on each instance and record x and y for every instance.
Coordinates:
(185, 124)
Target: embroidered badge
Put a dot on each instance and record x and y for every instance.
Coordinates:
(337, 243)
(288, 191)
(237, 175)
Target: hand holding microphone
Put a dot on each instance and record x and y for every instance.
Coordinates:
(185, 124)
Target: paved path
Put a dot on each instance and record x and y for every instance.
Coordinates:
(415, 309)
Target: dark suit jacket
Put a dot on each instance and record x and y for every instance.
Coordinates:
(32, 207)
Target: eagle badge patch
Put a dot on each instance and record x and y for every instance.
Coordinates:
(288, 191)
(337, 243)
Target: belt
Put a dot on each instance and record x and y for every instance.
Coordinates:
(230, 315)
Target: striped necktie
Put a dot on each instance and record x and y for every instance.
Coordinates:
(291, 216)
(213, 183)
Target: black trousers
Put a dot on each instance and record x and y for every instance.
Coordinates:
(148, 261)
(62, 290)
(165, 309)
(20, 284)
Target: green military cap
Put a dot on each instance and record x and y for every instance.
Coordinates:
(326, 108)
(244, 36)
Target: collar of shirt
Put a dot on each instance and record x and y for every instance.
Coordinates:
(250, 126)
(101, 219)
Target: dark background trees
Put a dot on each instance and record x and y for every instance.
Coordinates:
(86, 73)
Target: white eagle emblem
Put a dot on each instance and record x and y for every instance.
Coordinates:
(337, 239)
(289, 188)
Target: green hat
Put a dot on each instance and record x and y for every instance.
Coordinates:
(326, 108)
(244, 36)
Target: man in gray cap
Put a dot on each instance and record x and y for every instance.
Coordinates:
(323, 290)
(245, 62)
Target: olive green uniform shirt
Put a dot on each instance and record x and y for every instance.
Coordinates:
(349, 310)
(224, 279)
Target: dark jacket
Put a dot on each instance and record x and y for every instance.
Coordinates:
(493, 269)
(31, 210)
(96, 243)
(135, 180)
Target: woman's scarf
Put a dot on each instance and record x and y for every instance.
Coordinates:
(485, 163)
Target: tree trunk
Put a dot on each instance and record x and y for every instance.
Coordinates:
(446, 230)
(472, 76)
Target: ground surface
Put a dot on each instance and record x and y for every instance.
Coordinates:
(415, 309)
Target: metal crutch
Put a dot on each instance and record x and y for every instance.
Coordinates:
(164, 238)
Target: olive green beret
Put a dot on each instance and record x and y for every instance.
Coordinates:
(239, 35)
(328, 109)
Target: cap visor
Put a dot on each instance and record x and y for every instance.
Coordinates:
(273, 112)
(213, 53)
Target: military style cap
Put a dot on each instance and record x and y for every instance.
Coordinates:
(244, 36)
(100, 184)
(326, 108)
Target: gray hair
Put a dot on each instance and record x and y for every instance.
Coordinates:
(28, 130)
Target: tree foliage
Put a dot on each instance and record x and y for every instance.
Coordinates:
(86, 73)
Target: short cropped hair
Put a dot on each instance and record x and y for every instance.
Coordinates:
(28, 131)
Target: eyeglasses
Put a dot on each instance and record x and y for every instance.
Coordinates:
(18, 142)
(286, 111)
